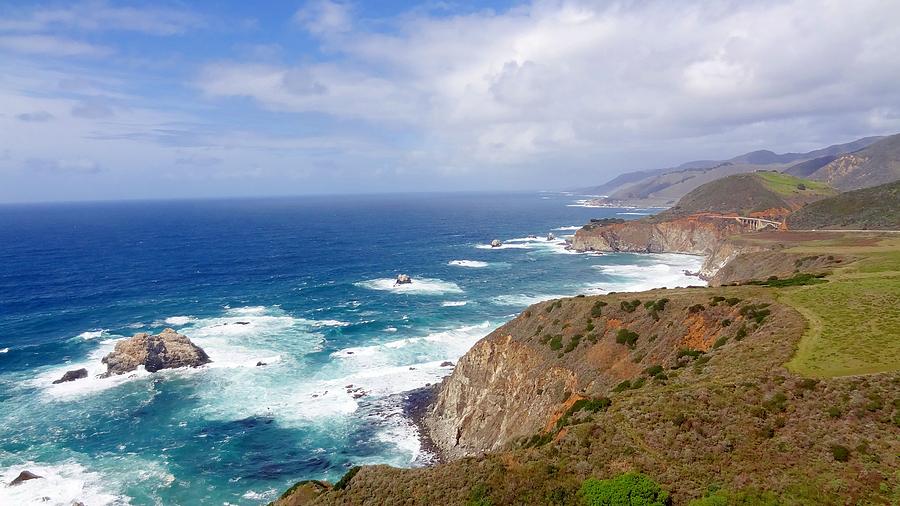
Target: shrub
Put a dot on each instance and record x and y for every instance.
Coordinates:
(840, 453)
(801, 186)
(731, 301)
(629, 489)
(638, 383)
(478, 496)
(834, 412)
(714, 301)
(621, 387)
(556, 343)
(629, 307)
(345, 480)
(656, 305)
(589, 327)
(687, 352)
(597, 309)
(696, 308)
(726, 322)
(573, 343)
(653, 370)
(741, 333)
(625, 336)
(720, 342)
(808, 384)
(755, 312)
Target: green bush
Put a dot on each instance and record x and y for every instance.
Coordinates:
(573, 343)
(741, 333)
(625, 336)
(345, 480)
(638, 383)
(834, 412)
(687, 352)
(726, 322)
(556, 343)
(743, 498)
(629, 307)
(696, 308)
(621, 387)
(629, 489)
(714, 301)
(597, 309)
(731, 301)
(720, 342)
(653, 370)
(840, 453)
(478, 496)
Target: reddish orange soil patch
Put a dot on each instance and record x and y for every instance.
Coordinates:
(565, 407)
(697, 337)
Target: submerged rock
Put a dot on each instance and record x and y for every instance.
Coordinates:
(403, 279)
(496, 243)
(23, 477)
(72, 376)
(167, 350)
(447, 363)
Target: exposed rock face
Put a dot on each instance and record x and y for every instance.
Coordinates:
(72, 376)
(696, 235)
(167, 350)
(403, 279)
(517, 382)
(23, 477)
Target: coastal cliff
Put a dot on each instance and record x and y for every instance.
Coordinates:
(522, 378)
(698, 234)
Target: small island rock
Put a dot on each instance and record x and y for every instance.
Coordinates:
(403, 279)
(167, 350)
(72, 376)
(496, 243)
(23, 477)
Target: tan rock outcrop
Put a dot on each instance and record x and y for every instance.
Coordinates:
(167, 350)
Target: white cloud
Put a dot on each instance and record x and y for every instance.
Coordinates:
(577, 80)
(324, 17)
(99, 15)
(51, 45)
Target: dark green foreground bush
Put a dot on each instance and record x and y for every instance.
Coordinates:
(629, 489)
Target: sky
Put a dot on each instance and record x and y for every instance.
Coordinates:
(105, 100)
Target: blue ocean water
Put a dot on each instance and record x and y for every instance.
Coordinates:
(304, 285)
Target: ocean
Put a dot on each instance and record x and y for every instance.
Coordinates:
(302, 285)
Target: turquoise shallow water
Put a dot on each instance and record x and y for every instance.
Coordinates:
(303, 285)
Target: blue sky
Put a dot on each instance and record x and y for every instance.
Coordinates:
(109, 100)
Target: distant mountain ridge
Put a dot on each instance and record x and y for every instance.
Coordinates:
(663, 187)
(877, 163)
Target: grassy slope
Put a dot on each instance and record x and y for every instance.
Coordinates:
(854, 320)
(869, 208)
(787, 185)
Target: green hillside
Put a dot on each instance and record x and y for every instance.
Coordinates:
(876, 208)
(744, 194)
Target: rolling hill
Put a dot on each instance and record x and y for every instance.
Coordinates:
(774, 193)
(876, 208)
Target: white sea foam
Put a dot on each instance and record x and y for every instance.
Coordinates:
(261, 496)
(419, 286)
(179, 320)
(454, 303)
(635, 214)
(4, 350)
(570, 227)
(91, 334)
(468, 263)
(61, 484)
(649, 271)
(505, 245)
(524, 299)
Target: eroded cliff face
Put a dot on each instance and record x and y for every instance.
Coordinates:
(519, 380)
(695, 234)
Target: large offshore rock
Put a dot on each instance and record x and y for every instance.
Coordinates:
(167, 350)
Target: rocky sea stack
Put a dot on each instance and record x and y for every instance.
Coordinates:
(167, 350)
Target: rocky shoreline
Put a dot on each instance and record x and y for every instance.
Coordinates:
(416, 406)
